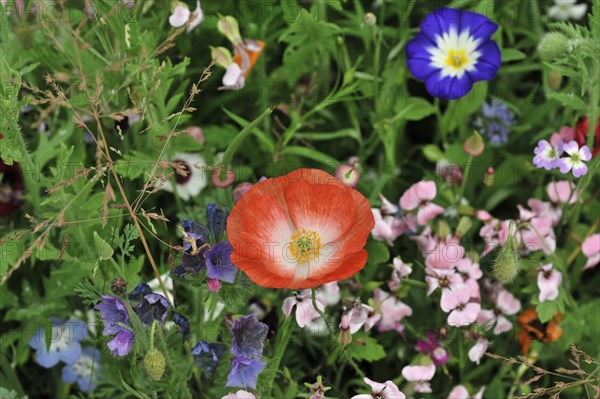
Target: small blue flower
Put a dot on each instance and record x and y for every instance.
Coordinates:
(216, 219)
(85, 371)
(153, 307)
(64, 345)
(208, 355)
(495, 121)
(218, 262)
(112, 311)
(244, 372)
(122, 343)
(139, 291)
(452, 51)
(248, 336)
(183, 323)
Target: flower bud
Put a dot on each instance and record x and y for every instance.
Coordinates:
(464, 225)
(348, 175)
(197, 134)
(553, 45)
(155, 364)
(222, 56)
(240, 190)
(554, 80)
(215, 178)
(506, 264)
(490, 175)
(370, 19)
(345, 334)
(229, 27)
(214, 285)
(118, 286)
(474, 145)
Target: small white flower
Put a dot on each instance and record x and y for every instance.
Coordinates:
(563, 10)
(181, 14)
(233, 78)
(195, 181)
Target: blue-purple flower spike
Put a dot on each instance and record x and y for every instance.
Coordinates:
(218, 262)
(453, 50)
(216, 219)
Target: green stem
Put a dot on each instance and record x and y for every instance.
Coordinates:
(281, 342)
(320, 312)
(154, 323)
(593, 109)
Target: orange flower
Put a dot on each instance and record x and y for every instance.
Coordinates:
(300, 230)
(532, 328)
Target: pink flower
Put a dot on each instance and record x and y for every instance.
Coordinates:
(241, 394)
(386, 390)
(358, 315)
(565, 135)
(562, 191)
(401, 270)
(421, 375)
(387, 228)
(545, 210)
(456, 302)
(446, 280)
(420, 195)
(461, 392)
(443, 253)
(387, 208)
(470, 273)
(548, 282)
(591, 248)
(437, 353)
(329, 293)
(391, 309)
(305, 312)
(505, 304)
(478, 350)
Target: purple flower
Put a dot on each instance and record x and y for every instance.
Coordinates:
(244, 372)
(183, 323)
(495, 121)
(432, 347)
(139, 291)
(453, 50)
(546, 155)
(64, 343)
(195, 237)
(216, 220)
(208, 355)
(85, 371)
(218, 262)
(112, 311)
(575, 160)
(122, 343)
(153, 307)
(248, 336)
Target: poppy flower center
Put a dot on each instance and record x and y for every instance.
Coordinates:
(180, 179)
(457, 58)
(305, 245)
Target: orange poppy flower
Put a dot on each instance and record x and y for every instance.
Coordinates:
(300, 230)
(532, 328)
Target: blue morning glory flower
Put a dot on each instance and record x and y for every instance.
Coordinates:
(85, 371)
(216, 220)
(244, 372)
(183, 323)
(139, 291)
(64, 344)
(218, 262)
(248, 336)
(153, 307)
(452, 51)
(495, 121)
(208, 355)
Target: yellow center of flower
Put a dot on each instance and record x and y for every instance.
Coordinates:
(456, 58)
(305, 245)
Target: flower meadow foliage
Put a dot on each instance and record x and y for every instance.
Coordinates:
(299, 199)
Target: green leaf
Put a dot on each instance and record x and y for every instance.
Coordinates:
(511, 54)
(570, 100)
(320, 136)
(365, 348)
(311, 154)
(103, 248)
(413, 110)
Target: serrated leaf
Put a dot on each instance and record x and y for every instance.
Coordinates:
(365, 348)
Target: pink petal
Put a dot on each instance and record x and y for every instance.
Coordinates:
(410, 200)
(507, 303)
(428, 212)
(426, 190)
(459, 392)
(560, 192)
(418, 373)
(288, 304)
(478, 350)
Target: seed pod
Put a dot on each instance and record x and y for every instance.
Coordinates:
(154, 362)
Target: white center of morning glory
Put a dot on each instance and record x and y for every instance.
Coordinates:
(454, 54)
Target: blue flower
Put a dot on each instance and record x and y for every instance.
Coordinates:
(139, 291)
(208, 355)
(64, 344)
(244, 372)
(183, 323)
(153, 307)
(122, 343)
(495, 121)
(216, 219)
(218, 262)
(112, 311)
(85, 371)
(248, 336)
(452, 51)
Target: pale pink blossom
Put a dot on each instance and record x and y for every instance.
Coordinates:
(386, 390)
(470, 273)
(305, 311)
(181, 14)
(401, 270)
(387, 207)
(545, 210)
(387, 228)
(389, 311)
(358, 315)
(461, 392)
(233, 78)
(457, 303)
(420, 195)
(561, 192)
(591, 248)
(442, 253)
(478, 350)
(330, 293)
(548, 282)
(420, 375)
(505, 304)
(241, 394)
(446, 280)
